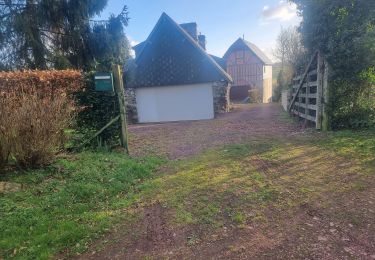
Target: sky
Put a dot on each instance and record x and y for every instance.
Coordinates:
(222, 21)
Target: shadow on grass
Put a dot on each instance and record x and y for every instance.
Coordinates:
(246, 179)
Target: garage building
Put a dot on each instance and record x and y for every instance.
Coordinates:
(174, 78)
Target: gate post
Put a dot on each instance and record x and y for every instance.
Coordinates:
(119, 86)
(325, 97)
(319, 95)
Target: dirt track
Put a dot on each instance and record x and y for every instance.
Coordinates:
(305, 201)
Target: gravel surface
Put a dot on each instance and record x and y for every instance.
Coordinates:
(178, 140)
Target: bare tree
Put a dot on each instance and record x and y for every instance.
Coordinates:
(291, 53)
(289, 49)
(282, 46)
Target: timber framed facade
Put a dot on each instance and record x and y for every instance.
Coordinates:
(250, 70)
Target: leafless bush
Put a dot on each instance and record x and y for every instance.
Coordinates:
(255, 96)
(4, 140)
(33, 119)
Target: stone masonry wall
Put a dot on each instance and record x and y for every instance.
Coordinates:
(131, 105)
(221, 92)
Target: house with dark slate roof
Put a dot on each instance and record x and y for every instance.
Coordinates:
(250, 70)
(174, 78)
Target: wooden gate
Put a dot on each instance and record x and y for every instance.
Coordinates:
(309, 93)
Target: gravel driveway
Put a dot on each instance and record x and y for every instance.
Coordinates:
(179, 140)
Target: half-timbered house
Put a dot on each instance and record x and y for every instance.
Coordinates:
(250, 70)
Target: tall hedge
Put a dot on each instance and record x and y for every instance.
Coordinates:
(344, 31)
(97, 109)
(36, 107)
(42, 82)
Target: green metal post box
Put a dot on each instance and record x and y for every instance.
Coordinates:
(104, 82)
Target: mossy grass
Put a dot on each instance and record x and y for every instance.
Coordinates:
(69, 203)
(81, 196)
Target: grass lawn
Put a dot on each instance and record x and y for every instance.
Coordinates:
(240, 181)
(69, 203)
(235, 198)
(265, 199)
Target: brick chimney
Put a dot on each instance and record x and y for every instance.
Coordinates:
(202, 41)
(191, 29)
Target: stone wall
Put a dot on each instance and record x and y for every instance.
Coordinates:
(221, 91)
(131, 105)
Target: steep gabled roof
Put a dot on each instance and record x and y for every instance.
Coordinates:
(170, 56)
(220, 61)
(241, 44)
(138, 48)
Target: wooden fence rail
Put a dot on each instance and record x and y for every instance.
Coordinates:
(307, 97)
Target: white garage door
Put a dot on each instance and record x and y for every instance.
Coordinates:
(175, 103)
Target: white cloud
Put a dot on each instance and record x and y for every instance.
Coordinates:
(132, 44)
(132, 41)
(283, 11)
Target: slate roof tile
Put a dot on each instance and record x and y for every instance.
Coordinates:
(170, 56)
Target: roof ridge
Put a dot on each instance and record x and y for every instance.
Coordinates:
(195, 43)
(252, 47)
(150, 35)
